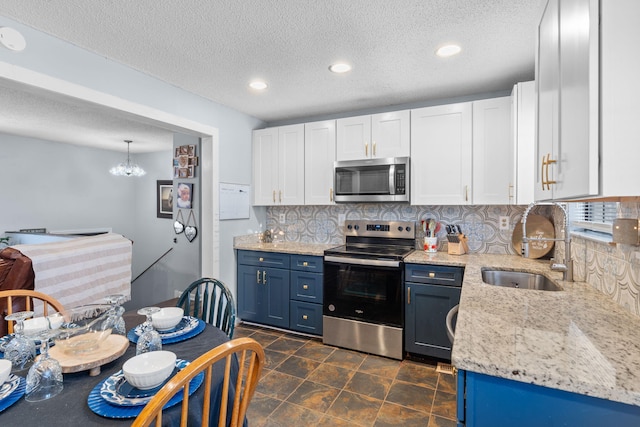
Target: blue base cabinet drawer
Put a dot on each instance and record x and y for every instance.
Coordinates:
(306, 287)
(264, 259)
(305, 317)
(309, 263)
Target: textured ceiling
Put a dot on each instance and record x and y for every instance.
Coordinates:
(214, 48)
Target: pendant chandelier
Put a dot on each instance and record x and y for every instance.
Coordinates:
(127, 168)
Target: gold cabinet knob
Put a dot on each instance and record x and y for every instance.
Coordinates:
(432, 274)
(260, 259)
(304, 317)
(305, 264)
(305, 287)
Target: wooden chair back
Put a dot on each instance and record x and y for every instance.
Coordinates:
(32, 301)
(210, 300)
(250, 359)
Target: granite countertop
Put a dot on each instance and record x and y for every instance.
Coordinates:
(296, 248)
(576, 340)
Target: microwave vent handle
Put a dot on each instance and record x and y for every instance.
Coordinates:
(392, 178)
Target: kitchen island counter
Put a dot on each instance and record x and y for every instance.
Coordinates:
(576, 340)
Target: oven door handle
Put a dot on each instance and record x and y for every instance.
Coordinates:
(360, 261)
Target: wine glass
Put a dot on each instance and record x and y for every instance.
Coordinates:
(150, 339)
(21, 350)
(44, 379)
(116, 312)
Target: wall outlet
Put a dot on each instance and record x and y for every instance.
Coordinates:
(282, 218)
(341, 219)
(504, 223)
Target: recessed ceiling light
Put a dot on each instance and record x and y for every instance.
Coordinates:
(448, 50)
(12, 39)
(258, 85)
(340, 67)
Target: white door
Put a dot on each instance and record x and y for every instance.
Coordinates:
(319, 155)
(492, 152)
(353, 138)
(390, 134)
(265, 166)
(291, 165)
(441, 148)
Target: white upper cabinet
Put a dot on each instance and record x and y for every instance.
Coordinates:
(441, 155)
(265, 166)
(376, 136)
(587, 108)
(567, 110)
(523, 122)
(319, 155)
(278, 166)
(493, 158)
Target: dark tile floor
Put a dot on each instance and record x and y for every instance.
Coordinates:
(307, 383)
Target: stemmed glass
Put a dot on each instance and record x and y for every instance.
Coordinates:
(44, 379)
(116, 312)
(20, 350)
(150, 339)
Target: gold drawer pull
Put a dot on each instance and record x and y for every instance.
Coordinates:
(260, 259)
(432, 274)
(304, 317)
(305, 287)
(305, 264)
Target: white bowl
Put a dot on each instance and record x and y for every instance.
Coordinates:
(167, 318)
(5, 370)
(149, 370)
(32, 327)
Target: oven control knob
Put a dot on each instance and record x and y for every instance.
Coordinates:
(349, 227)
(332, 307)
(356, 227)
(400, 229)
(408, 228)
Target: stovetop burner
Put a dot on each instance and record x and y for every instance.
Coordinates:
(380, 240)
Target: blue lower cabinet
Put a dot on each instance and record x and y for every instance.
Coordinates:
(305, 317)
(487, 401)
(281, 290)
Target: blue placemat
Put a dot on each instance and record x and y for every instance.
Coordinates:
(103, 408)
(15, 396)
(133, 337)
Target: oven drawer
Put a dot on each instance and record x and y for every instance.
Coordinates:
(264, 259)
(305, 317)
(306, 286)
(445, 275)
(306, 263)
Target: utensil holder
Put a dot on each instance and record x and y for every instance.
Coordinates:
(459, 248)
(431, 244)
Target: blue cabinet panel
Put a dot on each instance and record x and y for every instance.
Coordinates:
(492, 401)
(306, 317)
(306, 287)
(264, 259)
(307, 263)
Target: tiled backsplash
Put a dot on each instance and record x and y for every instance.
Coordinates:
(612, 269)
(319, 224)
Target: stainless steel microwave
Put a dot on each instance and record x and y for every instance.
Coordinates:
(372, 180)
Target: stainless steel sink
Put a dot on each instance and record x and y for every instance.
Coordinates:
(518, 279)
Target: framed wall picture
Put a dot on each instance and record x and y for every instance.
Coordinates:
(164, 204)
(185, 195)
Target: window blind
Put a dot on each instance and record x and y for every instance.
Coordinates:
(593, 216)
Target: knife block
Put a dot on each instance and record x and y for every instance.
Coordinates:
(459, 248)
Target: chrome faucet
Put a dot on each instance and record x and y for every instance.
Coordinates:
(567, 266)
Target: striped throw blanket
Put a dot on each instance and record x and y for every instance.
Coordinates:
(83, 270)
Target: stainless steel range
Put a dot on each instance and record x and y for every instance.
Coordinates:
(363, 287)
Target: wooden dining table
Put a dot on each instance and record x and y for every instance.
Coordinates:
(70, 407)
